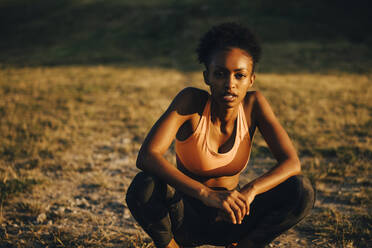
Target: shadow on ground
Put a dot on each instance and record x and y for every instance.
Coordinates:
(305, 36)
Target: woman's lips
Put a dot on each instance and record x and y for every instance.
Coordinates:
(229, 97)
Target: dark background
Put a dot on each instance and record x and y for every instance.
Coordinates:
(297, 36)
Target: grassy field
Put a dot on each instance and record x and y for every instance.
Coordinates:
(80, 88)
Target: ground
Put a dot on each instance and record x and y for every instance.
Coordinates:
(70, 137)
(83, 81)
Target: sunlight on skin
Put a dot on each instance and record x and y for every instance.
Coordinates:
(48, 112)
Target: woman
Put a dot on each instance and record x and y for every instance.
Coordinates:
(199, 201)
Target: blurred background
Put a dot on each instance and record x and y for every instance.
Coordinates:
(310, 35)
(83, 81)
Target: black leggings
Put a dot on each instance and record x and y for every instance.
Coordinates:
(165, 213)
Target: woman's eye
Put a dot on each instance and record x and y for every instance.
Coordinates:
(240, 76)
(219, 74)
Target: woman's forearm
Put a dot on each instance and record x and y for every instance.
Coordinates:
(156, 164)
(273, 177)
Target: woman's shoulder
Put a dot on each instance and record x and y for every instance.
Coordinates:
(250, 100)
(254, 104)
(253, 99)
(258, 106)
(191, 100)
(192, 93)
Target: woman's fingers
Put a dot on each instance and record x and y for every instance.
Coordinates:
(243, 205)
(237, 212)
(239, 208)
(235, 206)
(229, 212)
(233, 203)
(245, 202)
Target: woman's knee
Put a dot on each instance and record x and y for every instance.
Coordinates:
(296, 199)
(146, 188)
(304, 195)
(308, 194)
(141, 189)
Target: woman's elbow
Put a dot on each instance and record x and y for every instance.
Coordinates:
(139, 163)
(141, 160)
(145, 159)
(296, 166)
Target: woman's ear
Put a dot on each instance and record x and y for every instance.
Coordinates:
(253, 77)
(205, 75)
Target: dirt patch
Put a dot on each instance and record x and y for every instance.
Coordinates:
(86, 204)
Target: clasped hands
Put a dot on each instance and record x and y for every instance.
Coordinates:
(233, 205)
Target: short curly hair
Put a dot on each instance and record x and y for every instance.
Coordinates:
(227, 35)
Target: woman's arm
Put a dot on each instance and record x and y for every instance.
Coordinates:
(150, 159)
(280, 146)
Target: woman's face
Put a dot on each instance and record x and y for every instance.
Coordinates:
(229, 76)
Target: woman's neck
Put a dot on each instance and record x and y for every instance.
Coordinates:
(224, 118)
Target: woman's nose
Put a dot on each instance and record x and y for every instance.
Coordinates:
(230, 82)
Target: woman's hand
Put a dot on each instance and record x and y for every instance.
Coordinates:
(249, 193)
(233, 204)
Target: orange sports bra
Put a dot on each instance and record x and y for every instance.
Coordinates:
(195, 155)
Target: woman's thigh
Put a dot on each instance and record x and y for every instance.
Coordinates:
(274, 211)
(192, 223)
(271, 214)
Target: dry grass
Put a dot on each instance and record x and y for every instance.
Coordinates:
(70, 128)
(69, 138)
